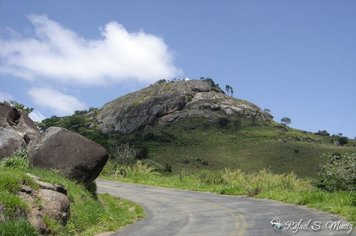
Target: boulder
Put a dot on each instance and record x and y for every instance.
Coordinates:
(50, 200)
(10, 142)
(17, 130)
(73, 155)
(55, 205)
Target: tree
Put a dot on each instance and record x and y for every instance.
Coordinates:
(267, 110)
(229, 90)
(343, 140)
(286, 121)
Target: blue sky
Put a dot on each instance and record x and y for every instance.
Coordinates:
(296, 58)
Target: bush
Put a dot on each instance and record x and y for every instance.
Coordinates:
(123, 154)
(343, 140)
(339, 173)
(142, 153)
(223, 121)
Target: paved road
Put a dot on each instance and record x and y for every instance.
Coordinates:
(179, 212)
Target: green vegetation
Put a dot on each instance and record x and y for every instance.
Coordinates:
(286, 121)
(233, 155)
(17, 228)
(89, 215)
(195, 144)
(261, 184)
(20, 107)
(339, 173)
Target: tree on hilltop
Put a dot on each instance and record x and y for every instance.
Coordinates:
(286, 121)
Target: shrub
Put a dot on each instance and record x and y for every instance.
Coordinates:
(322, 133)
(343, 140)
(223, 121)
(142, 153)
(339, 173)
(139, 169)
(123, 153)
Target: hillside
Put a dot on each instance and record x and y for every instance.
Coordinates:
(192, 125)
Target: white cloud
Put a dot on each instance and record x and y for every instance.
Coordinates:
(5, 96)
(59, 54)
(37, 116)
(59, 103)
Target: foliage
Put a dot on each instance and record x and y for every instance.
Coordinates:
(18, 160)
(343, 140)
(286, 121)
(223, 121)
(229, 90)
(260, 184)
(242, 144)
(123, 154)
(17, 228)
(138, 169)
(322, 133)
(20, 107)
(80, 122)
(142, 153)
(339, 173)
(88, 215)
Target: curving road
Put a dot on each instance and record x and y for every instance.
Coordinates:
(179, 212)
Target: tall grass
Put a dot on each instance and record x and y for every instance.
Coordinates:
(261, 184)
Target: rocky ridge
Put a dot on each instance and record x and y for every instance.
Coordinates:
(167, 102)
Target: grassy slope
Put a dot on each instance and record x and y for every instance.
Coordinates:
(193, 145)
(263, 184)
(88, 215)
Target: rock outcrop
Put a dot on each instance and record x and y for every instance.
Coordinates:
(166, 102)
(49, 200)
(73, 155)
(17, 130)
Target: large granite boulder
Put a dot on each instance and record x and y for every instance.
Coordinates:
(17, 130)
(75, 156)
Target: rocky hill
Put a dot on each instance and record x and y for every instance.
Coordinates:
(192, 125)
(166, 102)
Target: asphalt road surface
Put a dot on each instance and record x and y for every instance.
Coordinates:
(179, 212)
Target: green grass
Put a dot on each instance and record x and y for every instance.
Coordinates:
(17, 228)
(197, 144)
(262, 184)
(88, 215)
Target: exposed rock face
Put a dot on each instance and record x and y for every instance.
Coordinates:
(75, 156)
(49, 200)
(55, 205)
(166, 102)
(17, 130)
(10, 142)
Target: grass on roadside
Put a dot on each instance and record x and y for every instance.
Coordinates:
(88, 214)
(262, 184)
